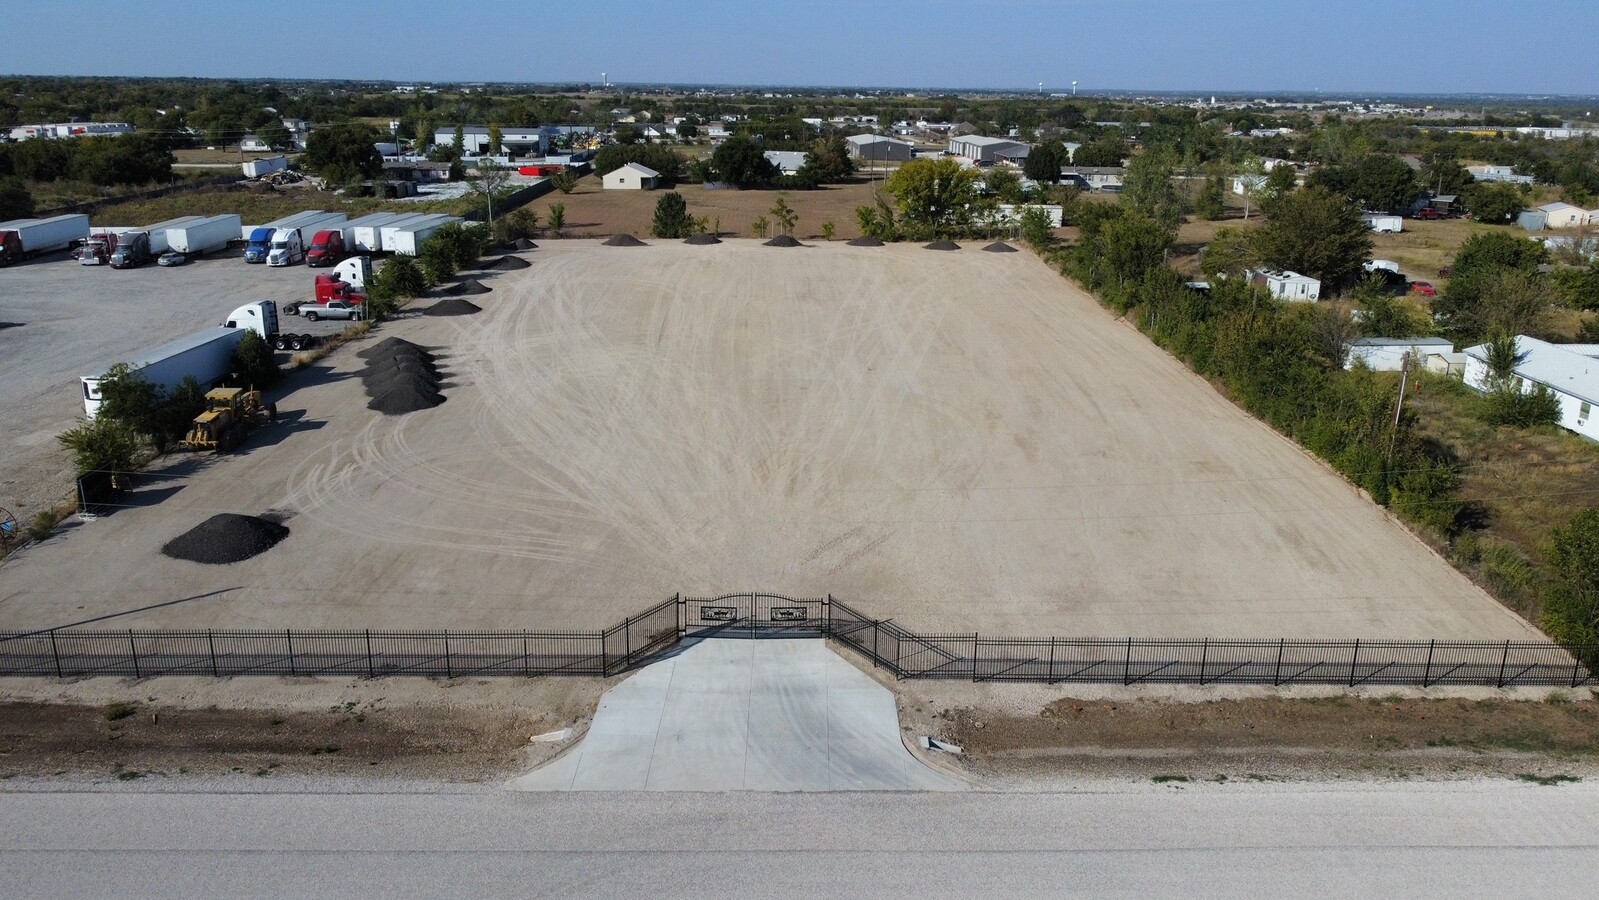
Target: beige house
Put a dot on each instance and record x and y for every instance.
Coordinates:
(631, 177)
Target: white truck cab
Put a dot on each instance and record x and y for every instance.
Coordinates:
(285, 249)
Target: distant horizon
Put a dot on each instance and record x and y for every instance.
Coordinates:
(1423, 48)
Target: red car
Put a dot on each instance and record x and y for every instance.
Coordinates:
(1427, 212)
(1423, 288)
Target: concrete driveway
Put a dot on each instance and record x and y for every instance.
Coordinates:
(743, 715)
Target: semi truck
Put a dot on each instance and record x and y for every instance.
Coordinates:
(24, 238)
(408, 240)
(355, 271)
(327, 248)
(204, 235)
(135, 248)
(289, 242)
(328, 289)
(364, 235)
(260, 237)
(206, 356)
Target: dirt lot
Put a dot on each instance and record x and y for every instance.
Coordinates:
(63, 321)
(960, 440)
(592, 212)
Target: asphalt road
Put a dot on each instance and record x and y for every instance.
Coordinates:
(1465, 840)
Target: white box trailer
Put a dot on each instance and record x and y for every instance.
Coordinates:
(387, 231)
(206, 356)
(1385, 224)
(361, 235)
(255, 168)
(203, 236)
(409, 240)
(36, 236)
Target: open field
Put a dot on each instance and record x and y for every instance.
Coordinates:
(960, 441)
(60, 321)
(591, 211)
(257, 206)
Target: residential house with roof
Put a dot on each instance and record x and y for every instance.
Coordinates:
(1571, 371)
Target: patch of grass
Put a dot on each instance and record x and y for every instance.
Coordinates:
(329, 344)
(1171, 779)
(129, 775)
(118, 711)
(1547, 780)
(1557, 697)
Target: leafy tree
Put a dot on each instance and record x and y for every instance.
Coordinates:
(1103, 152)
(879, 219)
(565, 180)
(1500, 299)
(489, 178)
(1571, 600)
(461, 244)
(741, 162)
(1445, 175)
(399, 277)
(661, 158)
(1211, 204)
(1383, 314)
(127, 397)
(175, 414)
(934, 196)
(255, 362)
(496, 138)
(102, 444)
(1134, 245)
(828, 230)
(557, 218)
(760, 226)
(129, 159)
(1280, 182)
(1005, 184)
(1044, 162)
(1385, 182)
(460, 140)
(424, 134)
(344, 153)
(784, 215)
(522, 223)
(1486, 251)
(1490, 202)
(15, 201)
(1148, 188)
(1228, 254)
(1317, 233)
(437, 260)
(671, 216)
(274, 134)
(1037, 229)
(828, 162)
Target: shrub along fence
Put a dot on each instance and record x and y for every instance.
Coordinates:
(640, 639)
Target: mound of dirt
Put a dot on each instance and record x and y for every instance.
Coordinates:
(382, 373)
(391, 345)
(942, 245)
(624, 240)
(469, 286)
(225, 538)
(867, 241)
(999, 247)
(523, 244)
(508, 263)
(406, 393)
(702, 239)
(453, 306)
(783, 240)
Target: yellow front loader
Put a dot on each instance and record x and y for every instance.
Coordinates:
(230, 415)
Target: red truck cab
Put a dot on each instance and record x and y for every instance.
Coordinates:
(329, 287)
(327, 248)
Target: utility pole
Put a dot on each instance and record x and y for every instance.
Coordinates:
(1399, 403)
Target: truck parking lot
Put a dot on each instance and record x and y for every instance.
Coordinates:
(60, 321)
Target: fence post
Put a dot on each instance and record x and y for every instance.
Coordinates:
(1503, 660)
(524, 650)
(1127, 664)
(289, 635)
(1426, 674)
(875, 657)
(370, 673)
(974, 656)
(1277, 673)
(134, 649)
(605, 661)
(627, 640)
(1576, 668)
(449, 670)
(211, 642)
(55, 652)
(1355, 657)
(827, 616)
(682, 615)
(1049, 675)
(1204, 657)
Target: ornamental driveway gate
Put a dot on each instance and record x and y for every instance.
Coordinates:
(754, 616)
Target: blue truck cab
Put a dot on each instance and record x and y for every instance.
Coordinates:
(260, 245)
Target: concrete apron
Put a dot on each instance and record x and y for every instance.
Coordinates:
(727, 714)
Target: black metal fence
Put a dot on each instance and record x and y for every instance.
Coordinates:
(639, 639)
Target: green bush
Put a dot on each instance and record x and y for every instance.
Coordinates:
(102, 443)
(1523, 409)
(255, 362)
(1571, 599)
(671, 217)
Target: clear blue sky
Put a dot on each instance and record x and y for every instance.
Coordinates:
(1416, 46)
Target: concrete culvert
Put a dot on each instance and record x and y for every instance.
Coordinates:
(452, 306)
(999, 247)
(942, 245)
(783, 240)
(469, 286)
(702, 239)
(225, 538)
(867, 241)
(624, 240)
(508, 263)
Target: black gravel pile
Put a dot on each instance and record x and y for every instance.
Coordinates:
(999, 247)
(508, 263)
(467, 286)
(942, 245)
(453, 306)
(867, 241)
(702, 239)
(524, 244)
(624, 240)
(402, 377)
(225, 538)
(783, 240)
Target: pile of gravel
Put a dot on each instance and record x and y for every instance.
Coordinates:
(225, 538)
(453, 306)
(401, 377)
(783, 240)
(702, 239)
(467, 286)
(867, 241)
(523, 244)
(624, 240)
(508, 263)
(999, 247)
(942, 245)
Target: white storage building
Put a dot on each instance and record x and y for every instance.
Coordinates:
(878, 148)
(1382, 354)
(631, 177)
(981, 149)
(1571, 371)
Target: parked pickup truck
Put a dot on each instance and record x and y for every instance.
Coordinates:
(333, 309)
